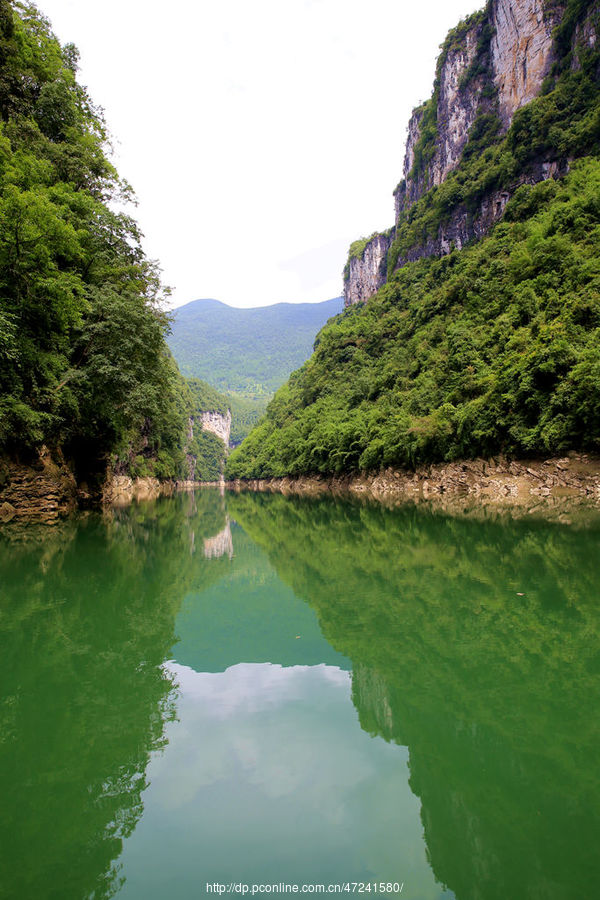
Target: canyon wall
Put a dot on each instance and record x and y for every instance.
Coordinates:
(367, 272)
(491, 65)
(218, 424)
(521, 50)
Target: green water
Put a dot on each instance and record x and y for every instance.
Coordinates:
(254, 689)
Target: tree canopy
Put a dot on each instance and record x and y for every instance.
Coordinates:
(83, 360)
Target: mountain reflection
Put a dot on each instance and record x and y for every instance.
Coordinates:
(87, 617)
(477, 645)
(474, 644)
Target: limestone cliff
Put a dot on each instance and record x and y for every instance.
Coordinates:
(367, 271)
(491, 66)
(452, 109)
(521, 50)
(202, 463)
(218, 424)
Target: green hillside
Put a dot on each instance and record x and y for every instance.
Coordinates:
(493, 348)
(246, 353)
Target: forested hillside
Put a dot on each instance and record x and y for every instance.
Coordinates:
(492, 348)
(84, 368)
(246, 353)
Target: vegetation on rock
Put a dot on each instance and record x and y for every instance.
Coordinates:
(494, 348)
(490, 349)
(246, 353)
(560, 124)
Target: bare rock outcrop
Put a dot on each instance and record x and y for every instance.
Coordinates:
(495, 63)
(457, 108)
(564, 489)
(121, 490)
(367, 272)
(41, 491)
(521, 49)
(218, 424)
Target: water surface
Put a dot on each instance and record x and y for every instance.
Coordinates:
(261, 689)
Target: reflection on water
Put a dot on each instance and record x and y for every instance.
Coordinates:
(220, 544)
(269, 778)
(86, 620)
(177, 704)
(477, 644)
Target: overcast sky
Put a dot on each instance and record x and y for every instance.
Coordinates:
(261, 136)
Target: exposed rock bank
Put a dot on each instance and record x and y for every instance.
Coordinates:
(46, 490)
(120, 490)
(218, 424)
(41, 492)
(552, 488)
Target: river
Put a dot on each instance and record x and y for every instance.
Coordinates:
(257, 690)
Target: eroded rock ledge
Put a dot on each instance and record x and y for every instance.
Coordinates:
(552, 488)
(40, 492)
(45, 490)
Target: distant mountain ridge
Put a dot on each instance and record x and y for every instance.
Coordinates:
(246, 353)
(242, 349)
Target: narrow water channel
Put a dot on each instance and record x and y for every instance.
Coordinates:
(253, 689)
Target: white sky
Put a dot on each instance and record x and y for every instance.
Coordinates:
(261, 136)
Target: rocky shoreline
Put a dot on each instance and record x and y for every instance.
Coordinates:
(46, 490)
(41, 492)
(553, 488)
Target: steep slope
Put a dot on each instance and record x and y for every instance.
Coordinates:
(474, 143)
(489, 348)
(247, 353)
(209, 431)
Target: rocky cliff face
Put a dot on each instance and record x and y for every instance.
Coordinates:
(491, 65)
(463, 225)
(42, 491)
(218, 424)
(521, 51)
(368, 272)
(456, 109)
(214, 422)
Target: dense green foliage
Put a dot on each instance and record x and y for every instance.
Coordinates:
(83, 362)
(210, 454)
(201, 454)
(246, 353)
(206, 451)
(246, 411)
(206, 398)
(494, 348)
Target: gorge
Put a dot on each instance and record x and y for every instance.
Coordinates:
(389, 685)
